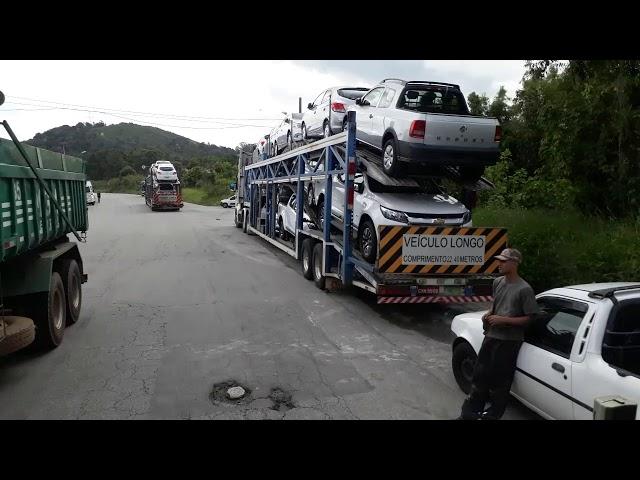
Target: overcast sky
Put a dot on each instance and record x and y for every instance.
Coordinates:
(234, 101)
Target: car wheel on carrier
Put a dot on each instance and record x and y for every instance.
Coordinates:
(72, 281)
(368, 241)
(390, 162)
(318, 277)
(321, 213)
(49, 314)
(283, 233)
(307, 258)
(463, 362)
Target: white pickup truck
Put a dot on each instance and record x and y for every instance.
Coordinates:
(584, 345)
(425, 123)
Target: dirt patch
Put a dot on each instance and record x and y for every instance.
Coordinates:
(281, 400)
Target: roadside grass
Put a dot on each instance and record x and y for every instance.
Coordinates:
(563, 248)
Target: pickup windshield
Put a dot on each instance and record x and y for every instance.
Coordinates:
(427, 99)
(352, 93)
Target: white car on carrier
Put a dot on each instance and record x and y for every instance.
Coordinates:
(585, 344)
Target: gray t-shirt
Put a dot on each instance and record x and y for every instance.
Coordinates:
(511, 299)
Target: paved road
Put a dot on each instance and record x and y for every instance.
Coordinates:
(179, 302)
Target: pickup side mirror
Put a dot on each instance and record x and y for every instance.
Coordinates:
(310, 106)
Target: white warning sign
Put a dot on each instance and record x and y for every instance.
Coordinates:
(443, 249)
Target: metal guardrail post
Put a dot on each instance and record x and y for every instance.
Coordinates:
(350, 171)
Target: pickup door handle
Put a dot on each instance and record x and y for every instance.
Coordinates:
(557, 367)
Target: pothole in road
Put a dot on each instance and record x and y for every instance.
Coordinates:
(224, 391)
(281, 400)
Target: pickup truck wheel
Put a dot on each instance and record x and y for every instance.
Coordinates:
(19, 331)
(49, 313)
(307, 258)
(368, 241)
(70, 273)
(390, 162)
(463, 363)
(318, 277)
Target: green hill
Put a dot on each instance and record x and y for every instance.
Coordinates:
(110, 148)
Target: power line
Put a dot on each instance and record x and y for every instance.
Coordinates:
(143, 113)
(227, 125)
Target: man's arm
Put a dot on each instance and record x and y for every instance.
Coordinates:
(501, 320)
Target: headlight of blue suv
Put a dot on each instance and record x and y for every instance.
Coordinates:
(394, 215)
(466, 218)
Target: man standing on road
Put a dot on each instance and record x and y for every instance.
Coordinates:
(514, 303)
(98, 197)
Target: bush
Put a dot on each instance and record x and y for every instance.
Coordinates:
(126, 171)
(563, 248)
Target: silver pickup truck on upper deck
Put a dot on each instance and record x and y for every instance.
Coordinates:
(427, 123)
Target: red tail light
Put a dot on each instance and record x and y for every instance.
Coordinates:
(418, 129)
(338, 107)
(498, 136)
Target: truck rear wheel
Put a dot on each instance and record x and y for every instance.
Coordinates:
(318, 276)
(50, 315)
(72, 280)
(307, 258)
(235, 219)
(20, 332)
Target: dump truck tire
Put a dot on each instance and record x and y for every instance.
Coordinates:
(72, 280)
(50, 315)
(20, 333)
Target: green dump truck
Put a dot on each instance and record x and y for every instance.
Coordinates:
(42, 200)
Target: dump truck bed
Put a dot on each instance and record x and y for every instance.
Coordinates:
(29, 218)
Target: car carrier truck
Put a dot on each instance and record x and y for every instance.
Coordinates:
(417, 262)
(42, 200)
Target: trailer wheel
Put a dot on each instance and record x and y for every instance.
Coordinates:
(235, 219)
(307, 258)
(463, 362)
(49, 314)
(245, 222)
(318, 277)
(72, 281)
